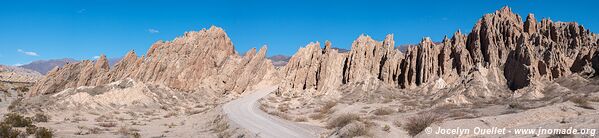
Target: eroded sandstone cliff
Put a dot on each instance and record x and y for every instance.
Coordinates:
(198, 60)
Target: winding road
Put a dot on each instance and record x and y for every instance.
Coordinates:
(245, 112)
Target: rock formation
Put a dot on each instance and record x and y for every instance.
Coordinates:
(501, 48)
(198, 60)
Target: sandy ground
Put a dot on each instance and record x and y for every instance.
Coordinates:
(245, 112)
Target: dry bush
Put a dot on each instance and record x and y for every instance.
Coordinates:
(281, 115)
(31, 129)
(301, 119)
(15, 103)
(16, 120)
(383, 111)
(517, 105)
(43, 132)
(342, 120)
(317, 116)
(41, 117)
(7, 131)
(219, 124)
(105, 118)
(326, 108)
(354, 130)
(582, 102)
(419, 122)
(126, 131)
(386, 128)
(283, 107)
(170, 114)
(397, 123)
(108, 124)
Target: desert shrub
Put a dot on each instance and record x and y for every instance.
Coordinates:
(109, 124)
(419, 122)
(6, 131)
(170, 114)
(16, 120)
(41, 117)
(326, 108)
(283, 107)
(301, 119)
(104, 118)
(43, 132)
(386, 128)
(383, 111)
(131, 132)
(317, 116)
(31, 129)
(354, 130)
(95, 130)
(14, 104)
(582, 102)
(517, 105)
(397, 123)
(281, 115)
(342, 120)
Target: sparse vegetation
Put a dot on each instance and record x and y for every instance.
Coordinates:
(170, 114)
(354, 130)
(383, 111)
(317, 116)
(41, 117)
(131, 132)
(16, 120)
(7, 131)
(342, 120)
(43, 132)
(281, 115)
(107, 124)
(301, 119)
(397, 123)
(386, 128)
(582, 102)
(326, 108)
(419, 122)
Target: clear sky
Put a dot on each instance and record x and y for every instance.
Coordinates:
(83, 29)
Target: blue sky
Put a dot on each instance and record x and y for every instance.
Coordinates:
(82, 29)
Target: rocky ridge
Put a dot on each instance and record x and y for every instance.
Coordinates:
(18, 74)
(203, 60)
(500, 51)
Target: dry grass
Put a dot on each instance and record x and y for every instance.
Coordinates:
(342, 120)
(326, 108)
(582, 102)
(16, 120)
(129, 132)
(283, 108)
(386, 128)
(419, 122)
(354, 130)
(317, 116)
(397, 123)
(170, 114)
(383, 111)
(281, 115)
(41, 117)
(301, 119)
(108, 124)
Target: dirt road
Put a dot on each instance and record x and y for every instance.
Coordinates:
(245, 112)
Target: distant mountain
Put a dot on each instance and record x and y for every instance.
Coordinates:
(279, 60)
(341, 50)
(18, 74)
(43, 66)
